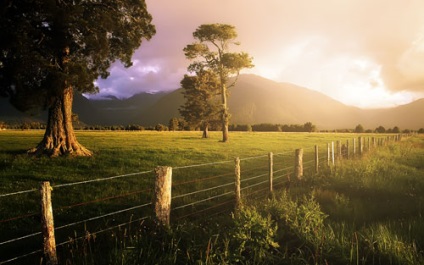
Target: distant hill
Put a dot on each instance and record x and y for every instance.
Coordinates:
(253, 100)
(258, 100)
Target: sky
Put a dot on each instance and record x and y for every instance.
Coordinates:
(364, 53)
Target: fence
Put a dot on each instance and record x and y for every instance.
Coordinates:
(173, 194)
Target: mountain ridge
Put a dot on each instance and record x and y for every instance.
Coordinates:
(253, 100)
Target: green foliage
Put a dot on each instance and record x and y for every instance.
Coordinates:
(380, 129)
(161, 127)
(302, 219)
(211, 55)
(359, 128)
(174, 124)
(253, 236)
(201, 107)
(47, 44)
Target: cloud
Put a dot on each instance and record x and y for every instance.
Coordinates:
(317, 44)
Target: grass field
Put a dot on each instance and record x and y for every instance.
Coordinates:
(365, 211)
(118, 153)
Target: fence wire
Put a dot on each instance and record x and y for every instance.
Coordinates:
(328, 155)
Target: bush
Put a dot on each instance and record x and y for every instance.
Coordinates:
(302, 219)
(253, 236)
(160, 127)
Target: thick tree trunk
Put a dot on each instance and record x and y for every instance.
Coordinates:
(59, 138)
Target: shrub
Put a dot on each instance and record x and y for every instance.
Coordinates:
(303, 219)
(253, 236)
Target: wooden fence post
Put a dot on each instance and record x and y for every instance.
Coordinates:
(163, 187)
(328, 154)
(369, 144)
(47, 224)
(298, 164)
(332, 153)
(339, 150)
(347, 149)
(354, 147)
(361, 146)
(271, 170)
(316, 160)
(237, 182)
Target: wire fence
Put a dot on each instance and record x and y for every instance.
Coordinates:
(106, 204)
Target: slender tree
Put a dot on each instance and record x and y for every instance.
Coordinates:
(211, 50)
(201, 107)
(50, 49)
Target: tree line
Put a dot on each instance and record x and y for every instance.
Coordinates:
(179, 124)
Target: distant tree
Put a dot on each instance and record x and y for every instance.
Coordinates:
(173, 124)
(212, 48)
(395, 130)
(160, 127)
(309, 127)
(240, 128)
(359, 129)
(380, 129)
(421, 130)
(201, 108)
(266, 127)
(183, 125)
(50, 49)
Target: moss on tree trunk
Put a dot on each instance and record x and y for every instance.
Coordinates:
(59, 138)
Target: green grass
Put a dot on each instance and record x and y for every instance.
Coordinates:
(118, 153)
(371, 208)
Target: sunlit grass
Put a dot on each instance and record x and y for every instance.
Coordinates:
(127, 152)
(372, 206)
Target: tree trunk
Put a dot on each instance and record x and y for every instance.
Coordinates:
(205, 131)
(225, 131)
(59, 138)
(225, 116)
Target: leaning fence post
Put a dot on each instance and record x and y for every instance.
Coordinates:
(271, 170)
(163, 187)
(237, 182)
(316, 160)
(47, 224)
(298, 164)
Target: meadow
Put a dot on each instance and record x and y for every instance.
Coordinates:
(360, 211)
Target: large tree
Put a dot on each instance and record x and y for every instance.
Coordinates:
(50, 49)
(201, 107)
(211, 52)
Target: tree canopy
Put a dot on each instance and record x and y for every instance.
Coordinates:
(201, 107)
(36, 35)
(50, 48)
(211, 52)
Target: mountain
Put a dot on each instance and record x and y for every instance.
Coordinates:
(258, 100)
(114, 111)
(253, 100)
